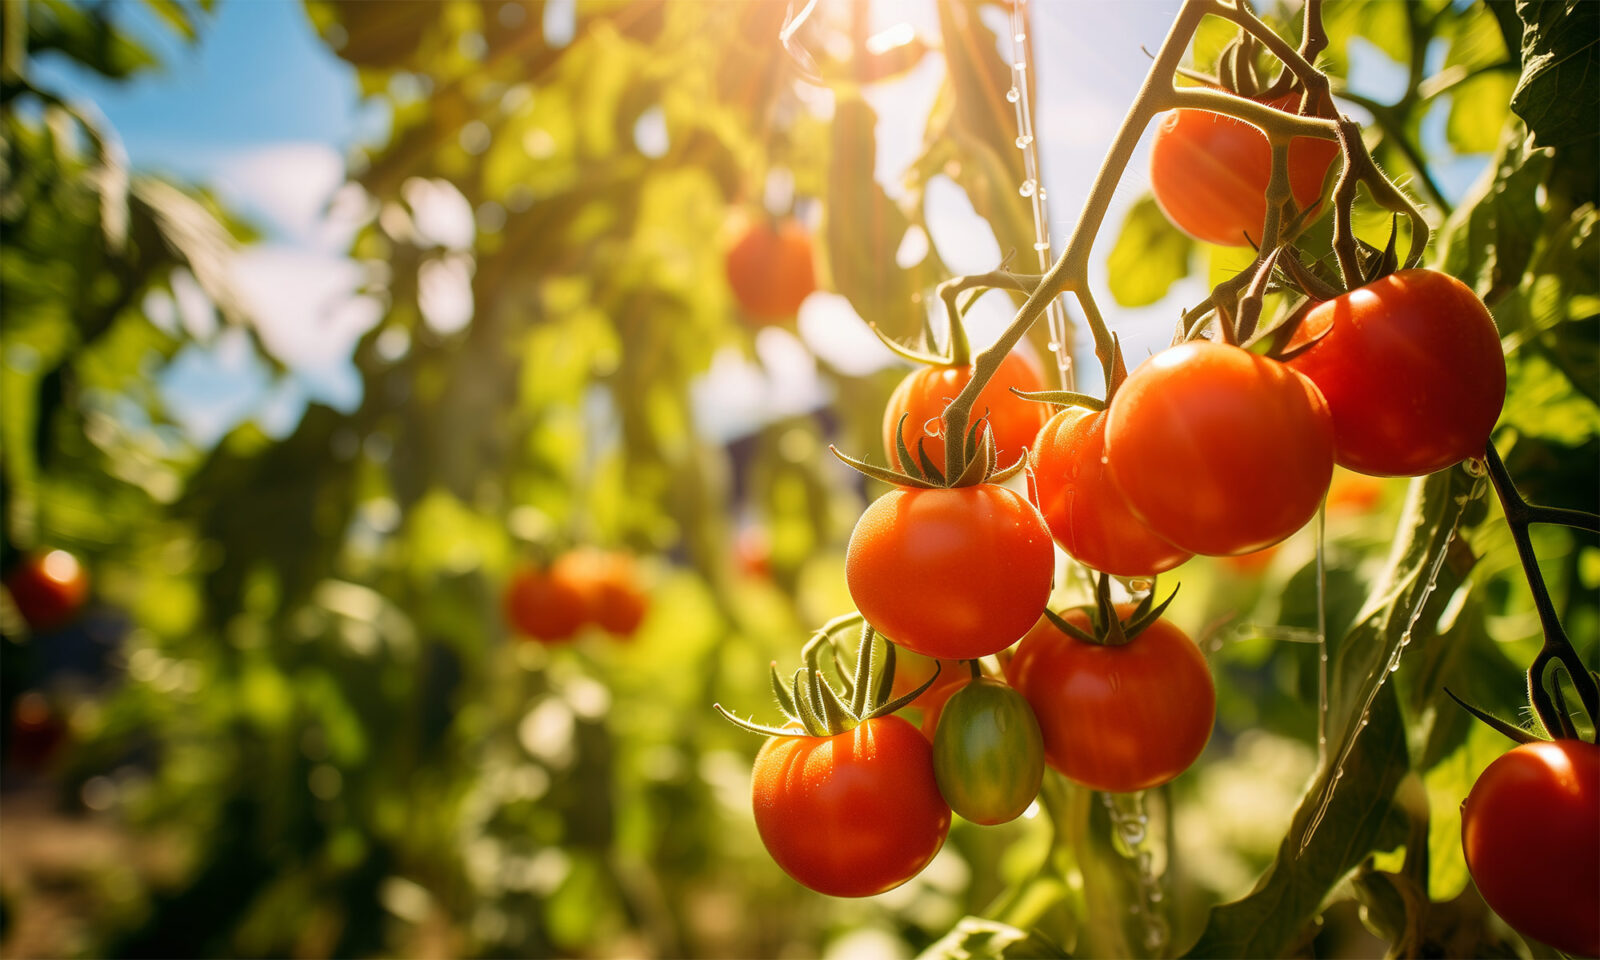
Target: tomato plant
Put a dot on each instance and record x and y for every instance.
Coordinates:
(771, 268)
(922, 396)
(1217, 450)
(854, 814)
(1116, 717)
(48, 588)
(1086, 513)
(614, 599)
(988, 753)
(1412, 369)
(951, 573)
(1530, 830)
(546, 604)
(1209, 173)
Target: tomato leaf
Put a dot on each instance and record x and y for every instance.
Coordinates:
(1150, 255)
(974, 938)
(1489, 239)
(1338, 820)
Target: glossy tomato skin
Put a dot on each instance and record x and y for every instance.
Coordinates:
(1413, 372)
(988, 752)
(922, 396)
(1218, 450)
(48, 588)
(547, 605)
(950, 573)
(771, 269)
(1209, 173)
(1120, 718)
(1086, 512)
(1530, 829)
(851, 815)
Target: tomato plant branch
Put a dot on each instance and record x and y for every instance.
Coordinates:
(1388, 122)
(1557, 647)
(1071, 269)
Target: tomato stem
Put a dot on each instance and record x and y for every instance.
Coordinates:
(1557, 647)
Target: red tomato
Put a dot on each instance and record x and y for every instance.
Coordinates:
(770, 269)
(1218, 450)
(1209, 173)
(931, 703)
(49, 589)
(38, 730)
(1119, 718)
(1085, 511)
(851, 815)
(609, 582)
(547, 605)
(951, 573)
(1412, 370)
(1530, 830)
(922, 396)
(912, 670)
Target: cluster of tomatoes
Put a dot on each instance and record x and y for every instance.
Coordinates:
(552, 602)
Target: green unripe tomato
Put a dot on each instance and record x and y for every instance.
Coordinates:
(988, 753)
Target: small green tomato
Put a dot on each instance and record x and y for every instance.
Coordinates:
(988, 753)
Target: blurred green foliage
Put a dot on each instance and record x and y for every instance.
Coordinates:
(304, 714)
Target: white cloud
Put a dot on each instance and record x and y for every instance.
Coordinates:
(286, 186)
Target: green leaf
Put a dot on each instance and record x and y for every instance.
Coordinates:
(87, 35)
(862, 243)
(974, 938)
(1339, 820)
(1558, 95)
(1489, 239)
(175, 15)
(1268, 921)
(1150, 255)
(982, 125)
(1477, 111)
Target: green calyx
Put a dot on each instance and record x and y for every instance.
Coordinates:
(811, 703)
(979, 464)
(1107, 628)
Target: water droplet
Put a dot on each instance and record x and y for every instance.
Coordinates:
(1019, 66)
(1013, 95)
(1392, 668)
(1041, 196)
(1053, 346)
(1019, 37)
(1027, 188)
(1042, 245)
(1022, 144)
